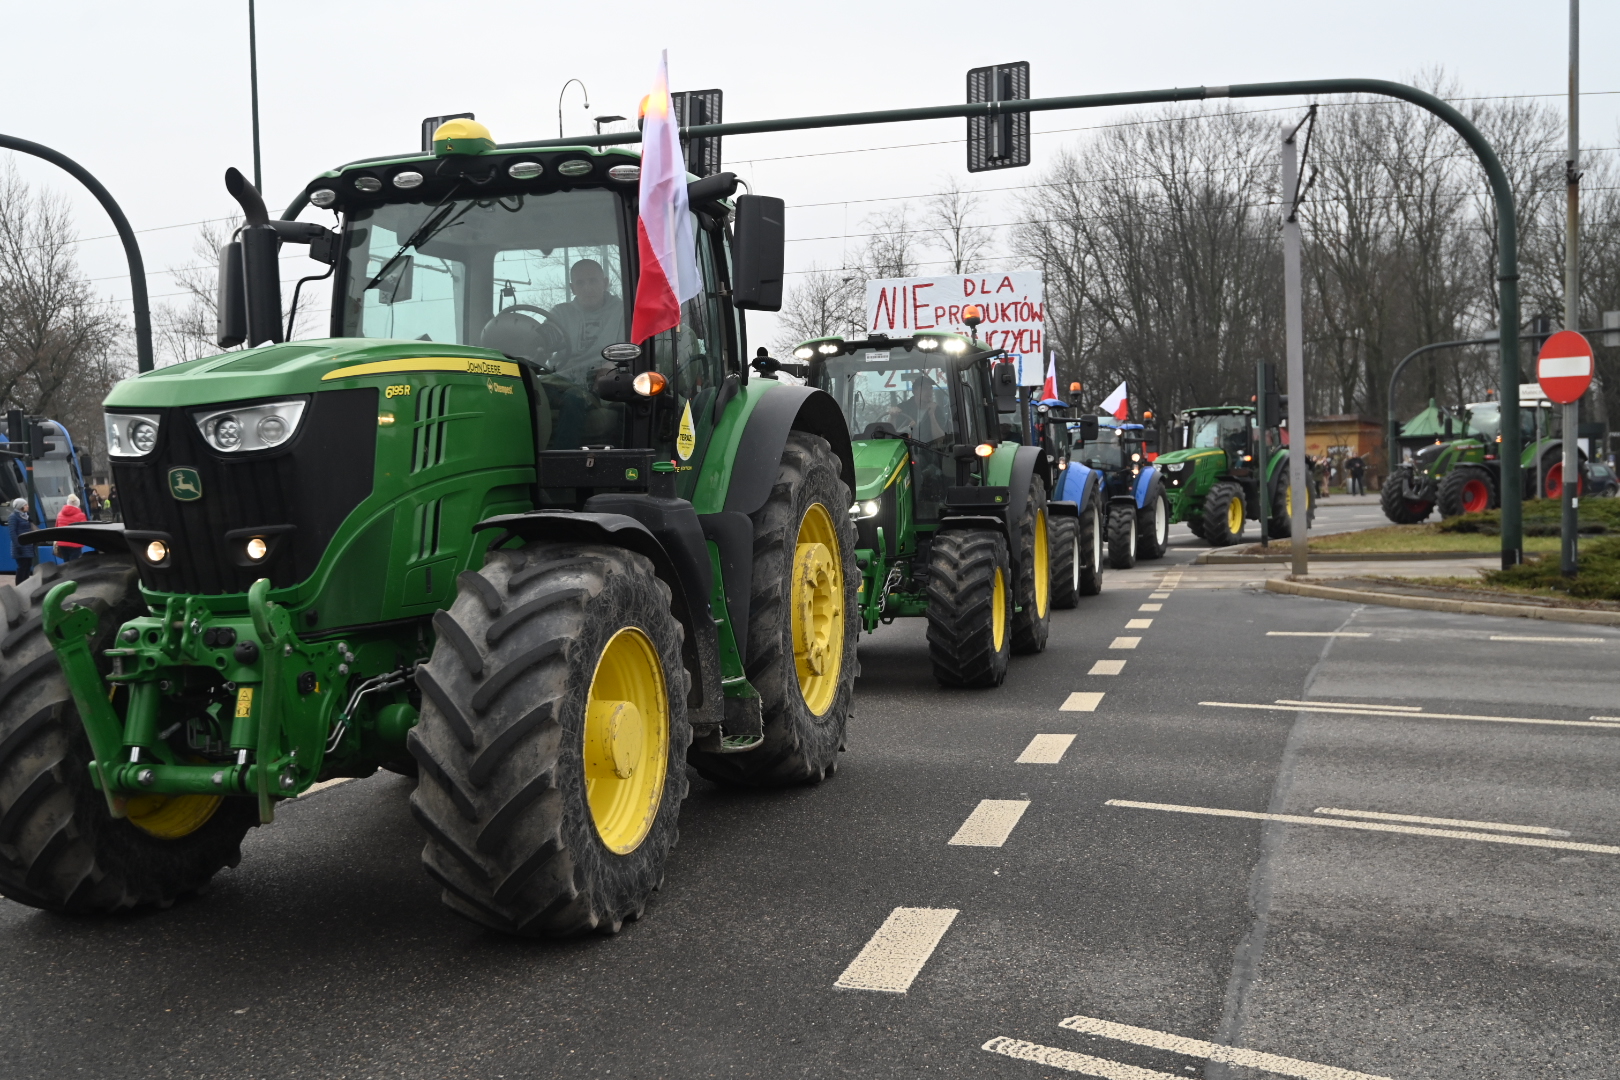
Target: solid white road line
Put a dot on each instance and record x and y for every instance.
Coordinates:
(1045, 750)
(1371, 826)
(1353, 705)
(1499, 826)
(1551, 640)
(1315, 633)
(1358, 711)
(1125, 643)
(1082, 701)
(991, 822)
(1107, 667)
(891, 961)
(1139, 624)
(1232, 1055)
(1151, 607)
(1069, 1061)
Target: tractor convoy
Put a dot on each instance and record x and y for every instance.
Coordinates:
(1214, 480)
(480, 536)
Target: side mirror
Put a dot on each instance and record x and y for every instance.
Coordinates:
(261, 271)
(758, 253)
(1088, 429)
(1004, 384)
(1150, 439)
(230, 302)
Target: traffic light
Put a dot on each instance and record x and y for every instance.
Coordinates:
(38, 446)
(16, 427)
(1271, 408)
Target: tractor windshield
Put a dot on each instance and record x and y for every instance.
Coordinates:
(1485, 421)
(1221, 431)
(895, 391)
(1107, 452)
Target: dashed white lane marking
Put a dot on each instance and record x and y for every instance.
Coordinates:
(1045, 750)
(1069, 1061)
(1315, 633)
(1499, 826)
(313, 788)
(1370, 826)
(1107, 667)
(892, 960)
(1356, 705)
(1551, 640)
(1159, 596)
(991, 822)
(1151, 607)
(1233, 1055)
(1368, 711)
(1125, 643)
(1082, 701)
(1138, 624)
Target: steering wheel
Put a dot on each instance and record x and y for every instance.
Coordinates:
(517, 333)
(524, 307)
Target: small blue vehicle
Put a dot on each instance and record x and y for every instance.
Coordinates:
(56, 476)
(1138, 511)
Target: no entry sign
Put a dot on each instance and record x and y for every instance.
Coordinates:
(1564, 367)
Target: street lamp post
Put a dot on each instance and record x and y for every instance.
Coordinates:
(560, 94)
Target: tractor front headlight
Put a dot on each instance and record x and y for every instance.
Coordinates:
(866, 508)
(251, 427)
(131, 435)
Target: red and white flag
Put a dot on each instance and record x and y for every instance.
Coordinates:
(1049, 389)
(664, 237)
(1118, 404)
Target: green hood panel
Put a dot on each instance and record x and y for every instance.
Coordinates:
(877, 463)
(1174, 457)
(271, 370)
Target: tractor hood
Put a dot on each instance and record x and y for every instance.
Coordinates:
(877, 463)
(301, 367)
(1176, 457)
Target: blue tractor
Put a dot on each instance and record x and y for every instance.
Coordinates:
(1078, 542)
(1137, 509)
(57, 474)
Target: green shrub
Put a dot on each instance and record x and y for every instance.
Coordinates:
(1598, 577)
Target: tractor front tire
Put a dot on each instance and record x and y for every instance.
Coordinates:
(1397, 501)
(802, 624)
(1093, 537)
(1032, 580)
(1224, 515)
(1121, 536)
(969, 607)
(60, 847)
(552, 741)
(1466, 489)
(1066, 562)
(1153, 524)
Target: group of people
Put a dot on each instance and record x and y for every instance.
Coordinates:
(19, 523)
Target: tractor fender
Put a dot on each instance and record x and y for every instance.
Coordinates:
(667, 532)
(759, 452)
(957, 522)
(1074, 483)
(1144, 485)
(1028, 461)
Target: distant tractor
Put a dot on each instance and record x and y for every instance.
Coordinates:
(1138, 509)
(1213, 481)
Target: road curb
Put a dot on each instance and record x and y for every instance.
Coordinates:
(1226, 556)
(1435, 603)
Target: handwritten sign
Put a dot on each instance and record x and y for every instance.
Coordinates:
(1012, 305)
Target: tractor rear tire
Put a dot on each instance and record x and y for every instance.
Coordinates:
(1066, 561)
(1466, 489)
(1223, 525)
(560, 684)
(1196, 524)
(969, 607)
(1032, 579)
(1398, 505)
(60, 847)
(1093, 537)
(805, 713)
(1153, 524)
(1282, 524)
(1121, 536)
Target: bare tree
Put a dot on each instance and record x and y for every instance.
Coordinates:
(822, 303)
(893, 246)
(948, 222)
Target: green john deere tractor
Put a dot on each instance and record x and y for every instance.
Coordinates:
(1213, 482)
(474, 535)
(1464, 475)
(950, 510)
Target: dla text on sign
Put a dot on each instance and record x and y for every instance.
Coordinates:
(1012, 306)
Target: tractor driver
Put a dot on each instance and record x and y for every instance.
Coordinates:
(926, 417)
(574, 332)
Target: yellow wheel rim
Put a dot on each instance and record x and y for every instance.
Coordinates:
(818, 609)
(1043, 573)
(1288, 501)
(1234, 515)
(169, 817)
(998, 611)
(626, 748)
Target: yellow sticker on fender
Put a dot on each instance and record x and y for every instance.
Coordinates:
(463, 364)
(686, 437)
(244, 702)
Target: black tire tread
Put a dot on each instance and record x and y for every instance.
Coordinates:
(961, 590)
(1392, 500)
(1121, 536)
(1065, 555)
(1030, 627)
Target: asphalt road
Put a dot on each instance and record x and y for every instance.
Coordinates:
(1439, 951)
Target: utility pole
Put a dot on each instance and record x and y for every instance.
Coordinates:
(253, 80)
(1294, 324)
(1567, 554)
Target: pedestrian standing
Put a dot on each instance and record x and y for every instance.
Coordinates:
(70, 514)
(16, 525)
(1357, 468)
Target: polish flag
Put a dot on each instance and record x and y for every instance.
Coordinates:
(664, 239)
(1118, 404)
(1049, 390)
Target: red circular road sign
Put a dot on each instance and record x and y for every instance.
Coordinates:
(1564, 367)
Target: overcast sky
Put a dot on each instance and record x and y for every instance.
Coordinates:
(152, 96)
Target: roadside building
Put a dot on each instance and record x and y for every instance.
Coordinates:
(1333, 440)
